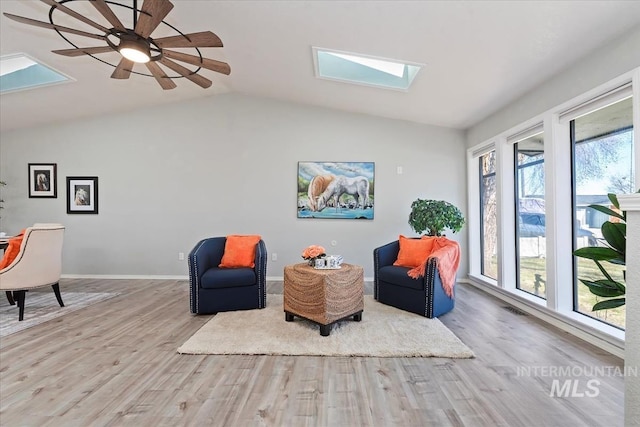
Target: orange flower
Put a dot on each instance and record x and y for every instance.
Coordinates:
(313, 251)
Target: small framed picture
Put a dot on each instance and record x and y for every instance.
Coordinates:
(43, 180)
(82, 194)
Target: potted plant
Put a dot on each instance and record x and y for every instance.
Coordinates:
(432, 217)
(615, 235)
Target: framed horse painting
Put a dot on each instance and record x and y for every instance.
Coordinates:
(82, 194)
(43, 180)
(341, 190)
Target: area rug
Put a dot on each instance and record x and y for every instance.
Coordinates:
(43, 306)
(383, 332)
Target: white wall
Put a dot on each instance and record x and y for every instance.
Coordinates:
(631, 204)
(172, 175)
(604, 64)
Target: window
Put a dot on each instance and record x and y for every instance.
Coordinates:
(529, 191)
(603, 162)
(488, 215)
(19, 71)
(363, 69)
(530, 215)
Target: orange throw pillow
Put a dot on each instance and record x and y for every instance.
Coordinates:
(11, 251)
(413, 252)
(240, 251)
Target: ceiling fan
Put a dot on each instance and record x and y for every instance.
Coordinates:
(136, 44)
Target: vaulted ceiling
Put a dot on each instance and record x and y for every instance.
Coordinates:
(478, 55)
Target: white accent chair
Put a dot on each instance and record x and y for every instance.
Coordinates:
(38, 264)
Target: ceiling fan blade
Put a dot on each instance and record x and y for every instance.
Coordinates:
(202, 39)
(71, 12)
(36, 23)
(84, 51)
(160, 76)
(151, 15)
(196, 78)
(123, 70)
(209, 64)
(106, 11)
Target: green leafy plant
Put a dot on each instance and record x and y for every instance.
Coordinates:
(615, 235)
(434, 216)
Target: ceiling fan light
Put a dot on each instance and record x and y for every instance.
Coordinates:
(135, 50)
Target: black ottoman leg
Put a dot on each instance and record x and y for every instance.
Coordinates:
(325, 330)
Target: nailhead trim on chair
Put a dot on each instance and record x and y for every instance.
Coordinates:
(430, 274)
(193, 296)
(262, 295)
(195, 282)
(428, 280)
(376, 264)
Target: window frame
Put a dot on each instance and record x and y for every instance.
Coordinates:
(515, 140)
(482, 178)
(474, 215)
(558, 307)
(612, 98)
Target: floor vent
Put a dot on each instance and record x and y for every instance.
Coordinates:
(514, 310)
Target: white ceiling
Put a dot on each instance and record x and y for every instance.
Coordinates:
(479, 55)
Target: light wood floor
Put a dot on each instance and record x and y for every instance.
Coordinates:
(115, 364)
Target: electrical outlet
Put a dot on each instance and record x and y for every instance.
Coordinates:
(180, 256)
(274, 257)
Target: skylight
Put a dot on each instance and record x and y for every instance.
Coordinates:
(19, 71)
(364, 70)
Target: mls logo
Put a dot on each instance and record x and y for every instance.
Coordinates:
(571, 388)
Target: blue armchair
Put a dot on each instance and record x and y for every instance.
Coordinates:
(213, 289)
(392, 286)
